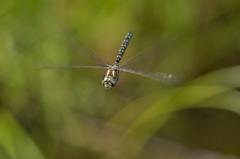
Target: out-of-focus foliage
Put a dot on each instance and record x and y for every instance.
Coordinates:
(68, 113)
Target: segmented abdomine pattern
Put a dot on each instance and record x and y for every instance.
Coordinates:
(124, 46)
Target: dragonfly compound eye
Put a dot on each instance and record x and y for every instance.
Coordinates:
(107, 85)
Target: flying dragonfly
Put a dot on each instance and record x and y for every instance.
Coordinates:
(111, 76)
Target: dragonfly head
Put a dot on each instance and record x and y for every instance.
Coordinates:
(109, 81)
(107, 85)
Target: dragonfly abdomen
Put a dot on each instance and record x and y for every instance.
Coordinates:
(124, 46)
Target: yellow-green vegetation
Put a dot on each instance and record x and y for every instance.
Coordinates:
(59, 114)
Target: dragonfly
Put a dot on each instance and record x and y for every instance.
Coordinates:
(111, 76)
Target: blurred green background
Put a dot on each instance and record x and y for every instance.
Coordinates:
(68, 113)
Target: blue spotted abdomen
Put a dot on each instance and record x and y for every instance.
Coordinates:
(124, 46)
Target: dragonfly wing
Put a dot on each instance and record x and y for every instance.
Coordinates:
(159, 76)
(63, 47)
(160, 62)
(73, 67)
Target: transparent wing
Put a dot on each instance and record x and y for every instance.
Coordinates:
(160, 76)
(63, 49)
(72, 67)
(160, 62)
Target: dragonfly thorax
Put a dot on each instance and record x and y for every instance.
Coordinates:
(111, 77)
